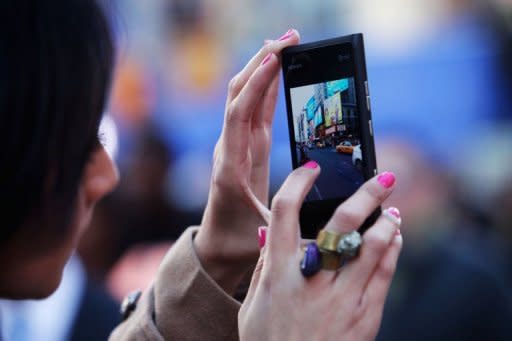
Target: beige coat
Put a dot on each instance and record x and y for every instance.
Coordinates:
(184, 303)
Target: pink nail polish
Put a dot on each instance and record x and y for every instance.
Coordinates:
(311, 165)
(266, 59)
(262, 236)
(287, 35)
(386, 179)
(394, 212)
(393, 215)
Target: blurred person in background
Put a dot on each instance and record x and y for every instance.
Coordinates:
(57, 60)
(447, 285)
(483, 196)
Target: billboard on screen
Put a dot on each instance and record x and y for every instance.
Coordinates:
(336, 86)
(319, 118)
(311, 107)
(332, 109)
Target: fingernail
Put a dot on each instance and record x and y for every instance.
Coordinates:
(262, 236)
(394, 211)
(311, 165)
(287, 35)
(386, 179)
(393, 214)
(266, 59)
(310, 264)
(267, 41)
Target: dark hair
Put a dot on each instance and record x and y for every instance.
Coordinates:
(56, 59)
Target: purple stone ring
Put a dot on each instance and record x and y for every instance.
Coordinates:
(311, 262)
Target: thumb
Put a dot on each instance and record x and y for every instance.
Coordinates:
(284, 233)
(262, 232)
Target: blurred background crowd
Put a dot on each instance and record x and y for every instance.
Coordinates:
(440, 78)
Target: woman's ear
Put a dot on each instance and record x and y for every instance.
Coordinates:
(100, 177)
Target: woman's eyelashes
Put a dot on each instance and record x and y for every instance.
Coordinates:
(101, 140)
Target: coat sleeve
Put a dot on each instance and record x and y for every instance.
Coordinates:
(184, 303)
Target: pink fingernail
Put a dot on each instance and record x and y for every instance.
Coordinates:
(287, 35)
(386, 179)
(394, 212)
(262, 236)
(266, 59)
(311, 165)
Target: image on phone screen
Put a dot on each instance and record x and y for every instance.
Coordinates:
(326, 130)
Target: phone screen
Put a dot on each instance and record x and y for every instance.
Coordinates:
(326, 130)
(329, 120)
(326, 120)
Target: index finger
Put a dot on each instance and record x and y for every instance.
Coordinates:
(352, 213)
(239, 112)
(291, 37)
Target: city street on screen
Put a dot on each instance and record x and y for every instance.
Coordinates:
(326, 130)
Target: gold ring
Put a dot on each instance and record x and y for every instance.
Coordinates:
(330, 260)
(328, 241)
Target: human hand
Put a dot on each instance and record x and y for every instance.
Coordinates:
(331, 305)
(238, 198)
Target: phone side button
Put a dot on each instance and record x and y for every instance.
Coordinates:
(370, 127)
(368, 103)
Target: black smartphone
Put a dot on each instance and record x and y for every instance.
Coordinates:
(329, 121)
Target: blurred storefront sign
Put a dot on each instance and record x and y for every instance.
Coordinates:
(330, 130)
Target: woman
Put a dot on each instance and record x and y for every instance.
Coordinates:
(56, 65)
